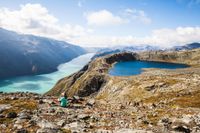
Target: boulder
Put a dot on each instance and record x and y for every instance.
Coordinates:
(148, 86)
(40, 101)
(131, 131)
(103, 131)
(22, 131)
(181, 128)
(83, 116)
(24, 116)
(2, 116)
(90, 102)
(4, 107)
(11, 115)
(48, 130)
(61, 123)
(46, 124)
(75, 127)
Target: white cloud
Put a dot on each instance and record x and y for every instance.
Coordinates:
(35, 19)
(178, 36)
(160, 37)
(107, 18)
(137, 15)
(103, 18)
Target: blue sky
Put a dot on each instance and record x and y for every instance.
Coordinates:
(107, 22)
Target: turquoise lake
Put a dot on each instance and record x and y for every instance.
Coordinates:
(135, 67)
(44, 82)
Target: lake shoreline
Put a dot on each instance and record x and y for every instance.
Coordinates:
(43, 82)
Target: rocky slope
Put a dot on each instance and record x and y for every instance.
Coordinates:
(28, 112)
(93, 77)
(28, 55)
(158, 100)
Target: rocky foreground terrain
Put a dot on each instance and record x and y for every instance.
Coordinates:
(28, 112)
(156, 101)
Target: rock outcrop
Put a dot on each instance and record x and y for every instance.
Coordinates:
(94, 77)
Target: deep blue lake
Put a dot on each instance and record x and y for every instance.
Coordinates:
(135, 67)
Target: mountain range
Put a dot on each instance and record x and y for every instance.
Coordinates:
(186, 47)
(113, 50)
(22, 55)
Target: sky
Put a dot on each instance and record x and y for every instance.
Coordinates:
(103, 23)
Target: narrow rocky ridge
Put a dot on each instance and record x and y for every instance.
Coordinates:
(94, 76)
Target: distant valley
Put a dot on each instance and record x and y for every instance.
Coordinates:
(23, 55)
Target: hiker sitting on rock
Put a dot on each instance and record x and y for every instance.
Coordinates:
(63, 100)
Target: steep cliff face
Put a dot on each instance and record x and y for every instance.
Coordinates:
(94, 80)
(91, 78)
(22, 55)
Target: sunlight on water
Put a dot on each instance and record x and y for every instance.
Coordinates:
(43, 83)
